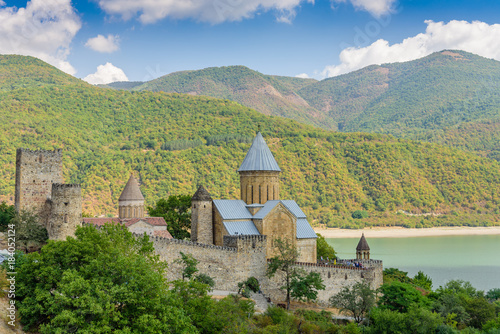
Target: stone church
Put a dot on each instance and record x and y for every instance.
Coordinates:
(260, 211)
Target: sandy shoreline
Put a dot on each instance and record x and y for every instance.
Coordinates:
(401, 232)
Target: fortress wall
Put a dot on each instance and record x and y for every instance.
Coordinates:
(335, 278)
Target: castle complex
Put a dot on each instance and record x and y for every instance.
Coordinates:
(231, 239)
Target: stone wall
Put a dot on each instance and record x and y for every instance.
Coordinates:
(36, 171)
(142, 227)
(259, 186)
(201, 222)
(66, 210)
(307, 250)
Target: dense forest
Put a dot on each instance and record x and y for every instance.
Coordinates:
(449, 97)
(174, 142)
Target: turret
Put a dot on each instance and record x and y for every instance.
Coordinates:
(131, 201)
(259, 174)
(66, 211)
(201, 217)
(362, 250)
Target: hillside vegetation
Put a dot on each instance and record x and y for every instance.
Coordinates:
(442, 98)
(175, 142)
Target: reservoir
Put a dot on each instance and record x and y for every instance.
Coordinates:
(474, 258)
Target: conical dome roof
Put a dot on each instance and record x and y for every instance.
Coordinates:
(201, 195)
(362, 244)
(131, 192)
(259, 157)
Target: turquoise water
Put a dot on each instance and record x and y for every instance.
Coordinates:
(474, 258)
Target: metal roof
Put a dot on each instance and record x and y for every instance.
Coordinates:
(294, 208)
(268, 206)
(304, 230)
(259, 157)
(246, 227)
(232, 209)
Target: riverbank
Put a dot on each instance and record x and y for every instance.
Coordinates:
(401, 232)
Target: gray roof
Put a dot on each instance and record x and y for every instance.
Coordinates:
(201, 195)
(232, 209)
(268, 206)
(362, 244)
(131, 191)
(294, 208)
(304, 229)
(259, 157)
(246, 227)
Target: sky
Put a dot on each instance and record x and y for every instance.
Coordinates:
(102, 41)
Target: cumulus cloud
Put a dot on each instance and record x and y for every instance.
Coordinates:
(105, 74)
(103, 44)
(43, 29)
(302, 75)
(475, 37)
(213, 11)
(375, 7)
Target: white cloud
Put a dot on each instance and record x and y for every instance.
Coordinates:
(213, 11)
(43, 29)
(475, 37)
(104, 44)
(375, 7)
(105, 74)
(302, 75)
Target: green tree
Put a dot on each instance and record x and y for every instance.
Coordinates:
(176, 212)
(285, 263)
(305, 287)
(398, 296)
(323, 249)
(189, 264)
(101, 282)
(29, 231)
(423, 281)
(356, 300)
(7, 212)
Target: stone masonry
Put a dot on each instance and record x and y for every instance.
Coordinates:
(66, 211)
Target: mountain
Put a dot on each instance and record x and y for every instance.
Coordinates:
(271, 95)
(443, 98)
(174, 142)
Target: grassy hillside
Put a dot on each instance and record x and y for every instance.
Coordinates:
(436, 98)
(175, 142)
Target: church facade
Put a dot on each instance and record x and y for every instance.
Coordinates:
(260, 211)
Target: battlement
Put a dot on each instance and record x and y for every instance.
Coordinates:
(66, 186)
(245, 241)
(46, 152)
(167, 241)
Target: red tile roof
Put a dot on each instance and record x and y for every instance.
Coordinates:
(164, 234)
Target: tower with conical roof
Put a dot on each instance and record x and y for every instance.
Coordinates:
(259, 174)
(131, 201)
(362, 250)
(201, 217)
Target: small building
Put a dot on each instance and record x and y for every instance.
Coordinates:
(260, 211)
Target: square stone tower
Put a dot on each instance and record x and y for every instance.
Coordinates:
(36, 171)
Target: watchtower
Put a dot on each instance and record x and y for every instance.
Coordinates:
(36, 171)
(362, 250)
(131, 201)
(201, 217)
(66, 210)
(259, 174)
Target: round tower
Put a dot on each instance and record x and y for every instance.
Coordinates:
(66, 211)
(201, 217)
(362, 250)
(259, 174)
(131, 201)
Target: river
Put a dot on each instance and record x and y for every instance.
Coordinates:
(474, 258)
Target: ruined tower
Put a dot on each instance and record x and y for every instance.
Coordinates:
(36, 171)
(131, 201)
(362, 250)
(201, 217)
(66, 210)
(259, 174)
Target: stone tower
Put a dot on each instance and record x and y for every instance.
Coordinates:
(362, 250)
(66, 210)
(36, 171)
(259, 174)
(201, 217)
(131, 201)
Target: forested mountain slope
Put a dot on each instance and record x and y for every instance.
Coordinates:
(441, 98)
(174, 142)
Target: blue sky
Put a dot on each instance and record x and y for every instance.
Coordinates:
(109, 40)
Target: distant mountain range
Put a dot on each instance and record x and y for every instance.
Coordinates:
(450, 97)
(174, 142)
